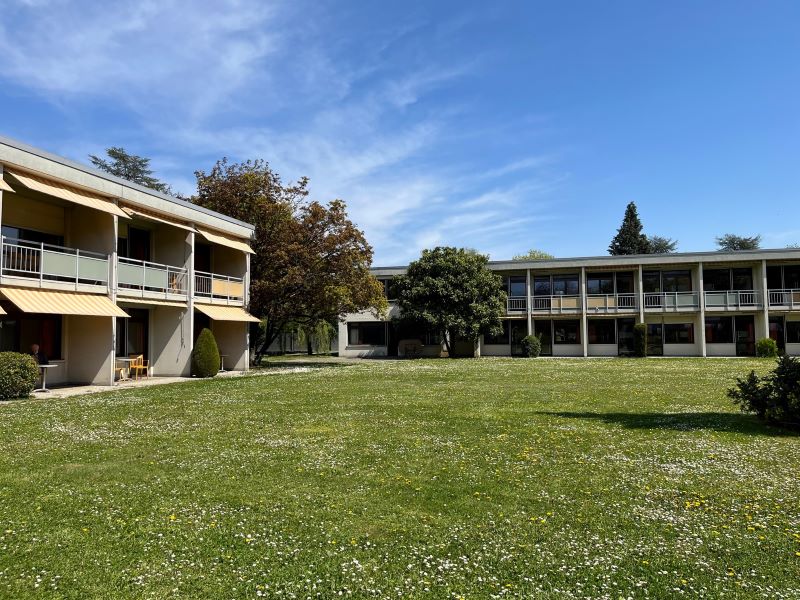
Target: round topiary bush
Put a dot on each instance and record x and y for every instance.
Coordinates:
(205, 356)
(18, 375)
(531, 346)
(767, 348)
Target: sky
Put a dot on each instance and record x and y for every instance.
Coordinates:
(499, 126)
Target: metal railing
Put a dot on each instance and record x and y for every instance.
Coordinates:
(733, 299)
(672, 301)
(610, 302)
(516, 304)
(219, 287)
(785, 298)
(556, 304)
(143, 276)
(46, 262)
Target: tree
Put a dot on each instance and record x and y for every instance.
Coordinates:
(629, 238)
(661, 245)
(732, 243)
(454, 294)
(534, 254)
(311, 263)
(130, 167)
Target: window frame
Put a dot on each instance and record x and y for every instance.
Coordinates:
(359, 324)
(606, 322)
(557, 323)
(670, 327)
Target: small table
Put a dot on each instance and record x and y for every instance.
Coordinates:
(44, 377)
(128, 362)
(222, 363)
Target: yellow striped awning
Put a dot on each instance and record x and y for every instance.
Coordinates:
(4, 186)
(68, 193)
(62, 303)
(2, 312)
(226, 313)
(157, 218)
(224, 240)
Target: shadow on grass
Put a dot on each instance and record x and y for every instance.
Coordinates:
(685, 421)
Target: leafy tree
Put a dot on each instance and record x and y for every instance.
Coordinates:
(130, 167)
(534, 254)
(311, 264)
(661, 245)
(453, 293)
(731, 242)
(629, 238)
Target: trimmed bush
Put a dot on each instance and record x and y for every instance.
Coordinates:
(18, 375)
(640, 340)
(774, 397)
(531, 346)
(205, 356)
(767, 348)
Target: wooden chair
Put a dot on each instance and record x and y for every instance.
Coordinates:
(140, 365)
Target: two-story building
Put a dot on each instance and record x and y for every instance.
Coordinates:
(94, 268)
(694, 304)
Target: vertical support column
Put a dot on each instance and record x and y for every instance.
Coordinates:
(701, 291)
(528, 300)
(2, 253)
(246, 282)
(190, 289)
(640, 295)
(112, 293)
(584, 323)
(764, 299)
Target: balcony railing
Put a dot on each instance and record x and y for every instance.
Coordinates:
(733, 299)
(45, 262)
(672, 301)
(516, 304)
(141, 277)
(556, 304)
(219, 287)
(610, 303)
(785, 299)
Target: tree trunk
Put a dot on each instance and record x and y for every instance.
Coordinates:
(309, 347)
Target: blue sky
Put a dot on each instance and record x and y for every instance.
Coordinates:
(499, 126)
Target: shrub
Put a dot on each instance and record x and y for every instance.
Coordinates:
(18, 375)
(640, 339)
(767, 348)
(205, 356)
(774, 397)
(531, 345)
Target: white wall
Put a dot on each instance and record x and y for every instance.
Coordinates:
(793, 349)
(567, 349)
(495, 349)
(170, 341)
(721, 349)
(603, 350)
(231, 339)
(89, 350)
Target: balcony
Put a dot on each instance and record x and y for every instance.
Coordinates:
(219, 288)
(556, 304)
(44, 263)
(611, 303)
(516, 304)
(147, 279)
(672, 301)
(785, 299)
(733, 300)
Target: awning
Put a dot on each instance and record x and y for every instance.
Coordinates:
(70, 194)
(157, 218)
(2, 312)
(4, 186)
(226, 313)
(171, 303)
(62, 303)
(224, 240)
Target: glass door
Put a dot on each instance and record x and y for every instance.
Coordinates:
(776, 332)
(744, 331)
(519, 329)
(625, 336)
(655, 339)
(544, 329)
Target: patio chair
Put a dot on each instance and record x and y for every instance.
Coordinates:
(140, 365)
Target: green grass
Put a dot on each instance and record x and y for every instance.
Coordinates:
(472, 478)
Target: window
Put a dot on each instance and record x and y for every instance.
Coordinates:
(791, 277)
(716, 280)
(501, 339)
(372, 333)
(19, 331)
(600, 283)
(793, 332)
(389, 288)
(566, 332)
(655, 340)
(676, 281)
(625, 282)
(517, 285)
(602, 331)
(678, 333)
(651, 281)
(719, 330)
(775, 278)
(565, 285)
(541, 286)
(29, 235)
(742, 279)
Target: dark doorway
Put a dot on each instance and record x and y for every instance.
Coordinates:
(519, 329)
(138, 244)
(625, 336)
(655, 339)
(201, 321)
(544, 329)
(202, 258)
(133, 336)
(745, 335)
(776, 332)
(392, 340)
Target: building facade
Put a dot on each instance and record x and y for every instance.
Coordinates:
(694, 304)
(95, 269)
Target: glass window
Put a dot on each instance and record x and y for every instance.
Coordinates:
(655, 345)
(716, 280)
(19, 331)
(517, 285)
(602, 331)
(566, 332)
(600, 283)
(565, 285)
(625, 282)
(498, 339)
(775, 278)
(676, 281)
(651, 281)
(791, 277)
(793, 332)
(719, 330)
(742, 278)
(679, 333)
(541, 286)
(30, 235)
(389, 288)
(372, 333)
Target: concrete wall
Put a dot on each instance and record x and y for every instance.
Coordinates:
(227, 261)
(603, 350)
(567, 349)
(495, 349)
(721, 349)
(231, 339)
(170, 341)
(89, 229)
(26, 212)
(89, 349)
(171, 246)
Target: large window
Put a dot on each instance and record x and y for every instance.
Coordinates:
(716, 280)
(565, 285)
(370, 333)
(742, 279)
(651, 282)
(29, 235)
(676, 281)
(389, 288)
(517, 285)
(502, 338)
(600, 283)
(793, 332)
(719, 330)
(625, 282)
(541, 286)
(18, 331)
(783, 277)
(602, 331)
(566, 332)
(679, 333)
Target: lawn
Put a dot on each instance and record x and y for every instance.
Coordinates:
(441, 479)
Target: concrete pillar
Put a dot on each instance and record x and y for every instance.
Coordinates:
(528, 300)
(247, 304)
(190, 289)
(640, 296)
(762, 331)
(584, 322)
(702, 311)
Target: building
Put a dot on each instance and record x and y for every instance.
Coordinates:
(95, 268)
(694, 304)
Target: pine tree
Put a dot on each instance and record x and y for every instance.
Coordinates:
(629, 238)
(130, 167)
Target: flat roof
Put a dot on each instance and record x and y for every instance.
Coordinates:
(23, 147)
